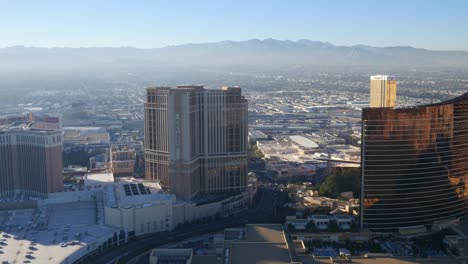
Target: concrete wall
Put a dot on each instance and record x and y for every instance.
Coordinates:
(28, 204)
(69, 197)
(187, 212)
(87, 249)
(143, 219)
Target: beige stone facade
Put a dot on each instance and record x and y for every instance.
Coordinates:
(196, 139)
(30, 162)
(122, 160)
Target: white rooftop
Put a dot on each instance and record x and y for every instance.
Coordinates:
(283, 152)
(132, 192)
(382, 77)
(305, 142)
(84, 128)
(101, 178)
(51, 234)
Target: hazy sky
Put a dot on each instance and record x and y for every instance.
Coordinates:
(432, 24)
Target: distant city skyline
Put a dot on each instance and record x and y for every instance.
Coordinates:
(433, 24)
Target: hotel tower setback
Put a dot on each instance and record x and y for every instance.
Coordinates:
(196, 139)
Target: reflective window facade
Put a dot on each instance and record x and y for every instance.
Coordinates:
(414, 165)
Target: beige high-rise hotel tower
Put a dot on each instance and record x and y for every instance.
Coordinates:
(30, 161)
(196, 139)
(382, 91)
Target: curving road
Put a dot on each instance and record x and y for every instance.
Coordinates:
(263, 211)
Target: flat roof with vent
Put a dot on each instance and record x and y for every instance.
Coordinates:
(264, 243)
(133, 192)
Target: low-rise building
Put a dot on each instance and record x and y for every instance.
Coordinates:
(458, 243)
(102, 215)
(98, 180)
(85, 135)
(298, 224)
(171, 255)
(138, 207)
(264, 243)
(257, 135)
(321, 222)
(98, 162)
(343, 221)
(122, 160)
(303, 144)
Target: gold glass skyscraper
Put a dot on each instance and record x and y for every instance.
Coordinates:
(382, 91)
(414, 165)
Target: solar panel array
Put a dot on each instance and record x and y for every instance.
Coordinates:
(127, 190)
(135, 189)
(141, 188)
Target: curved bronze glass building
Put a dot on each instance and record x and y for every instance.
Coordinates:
(414, 165)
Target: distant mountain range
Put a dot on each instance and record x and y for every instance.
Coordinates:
(252, 53)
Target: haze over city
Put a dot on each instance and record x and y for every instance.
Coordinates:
(430, 24)
(233, 132)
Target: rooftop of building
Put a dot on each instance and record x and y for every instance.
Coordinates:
(99, 178)
(257, 134)
(197, 87)
(459, 99)
(264, 233)
(304, 142)
(85, 135)
(50, 234)
(172, 255)
(75, 168)
(26, 127)
(130, 192)
(69, 222)
(121, 148)
(14, 114)
(309, 259)
(264, 243)
(320, 217)
(204, 260)
(260, 253)
(181, 256)
(382, 77)
(233, 234)
(17, 125)
(191, 86)
(342, 217)
(85, 128)
(283, 152)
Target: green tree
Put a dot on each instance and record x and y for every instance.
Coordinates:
(344, 180)
(348, 179)
(328, 187)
